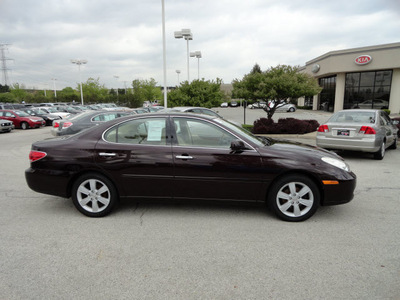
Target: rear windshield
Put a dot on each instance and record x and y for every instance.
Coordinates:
(353, 117)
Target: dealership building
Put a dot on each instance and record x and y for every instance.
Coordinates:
(367, 77)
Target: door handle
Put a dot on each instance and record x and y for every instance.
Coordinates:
(184, 157)
(107, 154)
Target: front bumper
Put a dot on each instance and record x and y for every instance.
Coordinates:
(340, 193)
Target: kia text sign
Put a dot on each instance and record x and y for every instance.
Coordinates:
(363, 60)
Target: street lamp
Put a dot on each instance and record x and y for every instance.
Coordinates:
(187, 35)
(197, 54)
(178, 72)
(79, 62)
(116, 77)
(54, 85)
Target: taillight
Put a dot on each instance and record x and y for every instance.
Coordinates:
(56, 124)
(323, 128)
(36, 155)
(367, 130)
(67, 124)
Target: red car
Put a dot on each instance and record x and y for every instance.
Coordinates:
(22, 119)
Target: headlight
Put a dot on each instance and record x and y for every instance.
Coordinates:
(336, 162)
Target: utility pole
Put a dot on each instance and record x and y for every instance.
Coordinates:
(54, 85)
(3, 59)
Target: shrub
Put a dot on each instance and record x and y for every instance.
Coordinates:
(248, 127)
(284, 126)
(387, 111)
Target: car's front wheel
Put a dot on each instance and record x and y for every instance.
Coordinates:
(294, 198)
(24, 125)
(94, 195)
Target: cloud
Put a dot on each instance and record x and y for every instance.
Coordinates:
(124, 38)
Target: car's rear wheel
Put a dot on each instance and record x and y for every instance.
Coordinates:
(292, 109)
(380, 154)
(294, 198)
(94, 195)
(24, 125)
(394, 145)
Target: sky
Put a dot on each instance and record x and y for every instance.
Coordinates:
(122, 39)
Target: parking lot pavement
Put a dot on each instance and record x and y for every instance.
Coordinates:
(248, 116)
(169, 250)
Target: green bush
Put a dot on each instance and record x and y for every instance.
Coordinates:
(386, 110)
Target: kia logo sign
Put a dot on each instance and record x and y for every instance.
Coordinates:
(363, 60)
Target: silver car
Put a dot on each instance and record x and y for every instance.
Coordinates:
(366, 130)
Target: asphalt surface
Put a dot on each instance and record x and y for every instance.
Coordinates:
(167, 250)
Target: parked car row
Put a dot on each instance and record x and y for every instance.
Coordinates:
(286, 107)
(22, 119)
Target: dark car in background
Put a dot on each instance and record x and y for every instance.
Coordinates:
(22, 119)
(83, 121)
(187, 157)
(48, 117)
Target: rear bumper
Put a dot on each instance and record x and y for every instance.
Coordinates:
(364, 145)
(48, 182)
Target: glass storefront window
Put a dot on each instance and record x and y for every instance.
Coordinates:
(368, 89)
(327, 95)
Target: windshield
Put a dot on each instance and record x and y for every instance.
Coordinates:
(51, 109)
(22, 113)
(353, 117)
(259, 141)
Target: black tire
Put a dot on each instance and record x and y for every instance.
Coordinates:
(24, 125)
(292, 109)
(380, 154)
(294, 198)
(94, 195)
(394, 145)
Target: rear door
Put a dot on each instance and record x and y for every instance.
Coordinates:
(137, 154)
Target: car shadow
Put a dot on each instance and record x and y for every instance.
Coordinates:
(177, 207)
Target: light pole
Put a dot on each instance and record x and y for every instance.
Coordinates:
(116, 77)
(79, 62)
(54, 85)
(164, 53)
(197, 54)
(178, 72)
(188, 36)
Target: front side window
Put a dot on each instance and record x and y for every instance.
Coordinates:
(198, 133)
(150, 131)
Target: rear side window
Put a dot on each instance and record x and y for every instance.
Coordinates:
(104, 117)
(150, 131)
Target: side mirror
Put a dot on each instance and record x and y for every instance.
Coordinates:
(237, 145)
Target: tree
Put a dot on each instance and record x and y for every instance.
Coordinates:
(93, 91)
(197, 93)
(4, 88)
(68, 94)
(146, 90)
(275, 86)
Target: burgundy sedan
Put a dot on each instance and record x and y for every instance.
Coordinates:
(22, 119)
(187, 156)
